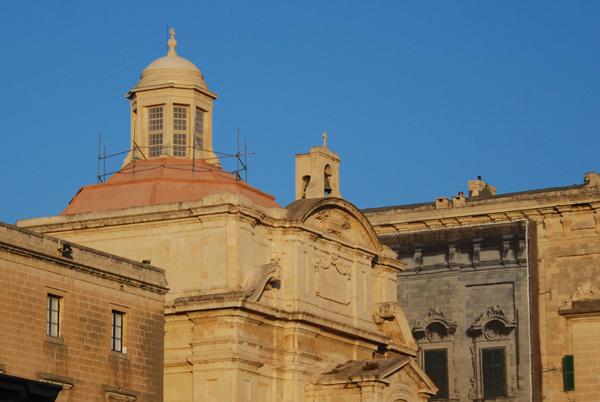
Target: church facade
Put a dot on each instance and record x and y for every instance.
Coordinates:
(485, 297)
(265, 303)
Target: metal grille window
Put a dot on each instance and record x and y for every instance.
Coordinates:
(117, 331)
(53, 316)
(494, 372)
(199, 129)
(436, 368)
(155, 130)
(179, 130)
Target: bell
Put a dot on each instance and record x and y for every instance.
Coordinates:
(328, 188)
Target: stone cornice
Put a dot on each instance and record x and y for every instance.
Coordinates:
(202, 210)
(82, 259)
(533, 206)
(236, 301)
(197, 88)
(154, 213)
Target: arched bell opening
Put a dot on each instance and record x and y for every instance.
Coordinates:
(327, 172)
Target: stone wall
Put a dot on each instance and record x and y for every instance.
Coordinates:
(566, 221)
(89, 285)
(465, 290)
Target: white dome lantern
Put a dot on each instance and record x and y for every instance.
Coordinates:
(171, 111)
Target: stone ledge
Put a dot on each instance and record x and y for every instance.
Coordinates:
(580, 307)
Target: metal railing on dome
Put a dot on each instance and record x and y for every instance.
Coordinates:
(139, 153)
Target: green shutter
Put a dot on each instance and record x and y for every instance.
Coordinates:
(568, 373)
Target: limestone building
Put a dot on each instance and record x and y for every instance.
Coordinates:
(562, 253)
(265, 303)
(77, 324)
(466, 294)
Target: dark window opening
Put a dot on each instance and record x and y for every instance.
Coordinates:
(436, 368)
(494, 372)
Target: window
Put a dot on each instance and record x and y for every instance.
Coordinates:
(117, 331)
(494, 372)
(53, 316)
(199, 130)
(568, 373)
(155, 130)
(179, 130)
(436, 368)
(179, 144)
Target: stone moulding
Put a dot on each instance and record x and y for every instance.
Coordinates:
(258, 279)
(115, 394)
(491, 323)
(334, 216)
(133, 280)
(334, 279)
(65, 382)
(386, 377)
(434, 321)
(584, 300)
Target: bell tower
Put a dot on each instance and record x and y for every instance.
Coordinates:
(318, 173)
(171, 111)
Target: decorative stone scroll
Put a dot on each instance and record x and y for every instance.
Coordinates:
(434, 326)
(585, 299)
(259, 279)
(390, 317)
(586, 292)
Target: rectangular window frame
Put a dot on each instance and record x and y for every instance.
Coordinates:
(180, 130)
(568, 362)
(155, 130)
(199, 129)
(118, 331)
(444, 389)
(53, 315)
(179, 144)
(493, 373)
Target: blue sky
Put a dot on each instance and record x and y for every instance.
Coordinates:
(416, 97)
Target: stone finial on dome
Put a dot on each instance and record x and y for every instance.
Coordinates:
(172, 43)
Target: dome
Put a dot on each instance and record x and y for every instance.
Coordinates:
(172, 62)
(172, 69)
(162, 181)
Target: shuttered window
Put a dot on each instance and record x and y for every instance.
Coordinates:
(568, 373)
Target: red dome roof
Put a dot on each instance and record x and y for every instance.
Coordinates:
(162, 181)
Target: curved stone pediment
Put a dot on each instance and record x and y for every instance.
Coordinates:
(335, 217)
(492, 323)
(434, 325)
(387, 379)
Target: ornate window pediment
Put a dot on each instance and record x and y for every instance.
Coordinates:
(434, 326)
(492, 324)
